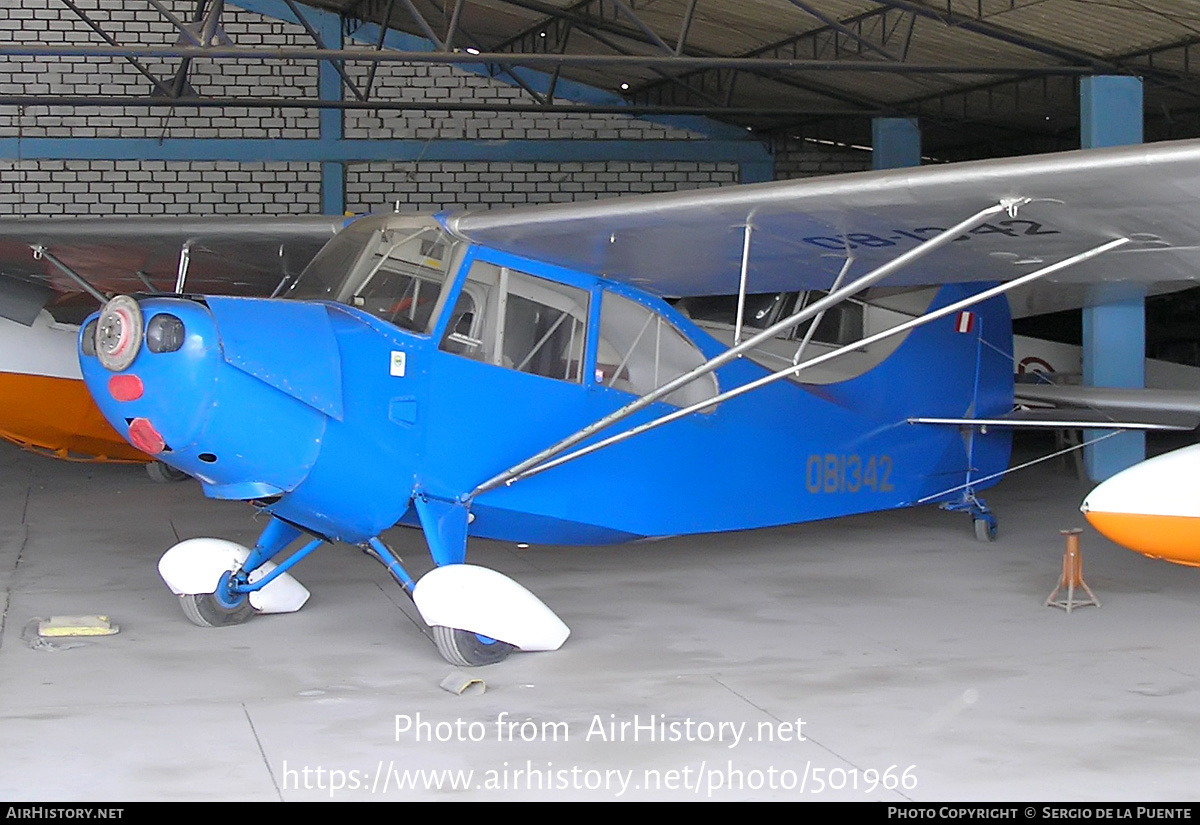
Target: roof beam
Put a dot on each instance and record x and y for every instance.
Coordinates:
(873, 27)
(994, 32)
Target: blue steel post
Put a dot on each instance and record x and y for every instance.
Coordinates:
(1114, 327)
(895, 142)
(756, 171)
(329, 84)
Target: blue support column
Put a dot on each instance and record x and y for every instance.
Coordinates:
(1114, 325)
(329, 85)
(756, 171)
(895, 142)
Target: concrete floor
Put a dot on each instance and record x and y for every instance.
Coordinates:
(890, 656)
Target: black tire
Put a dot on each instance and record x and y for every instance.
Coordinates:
(467, 649)
(985, 530)
(206, 610)
(164, 473)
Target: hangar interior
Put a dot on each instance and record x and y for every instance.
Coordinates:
(902, 645)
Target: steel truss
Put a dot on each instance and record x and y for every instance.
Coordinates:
(980, 107)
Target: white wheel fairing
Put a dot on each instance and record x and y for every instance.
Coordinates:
(479, 600)
(195, 566)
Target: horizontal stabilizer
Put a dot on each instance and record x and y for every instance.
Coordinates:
(1077, 419)
(1116, 400)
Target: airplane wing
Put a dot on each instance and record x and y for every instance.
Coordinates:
(236, 255)
(691, 243)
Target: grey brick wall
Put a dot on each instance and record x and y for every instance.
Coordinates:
(419, 187)
(99, 187)
(803, 159)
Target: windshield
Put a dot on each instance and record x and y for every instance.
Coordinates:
(391, 266)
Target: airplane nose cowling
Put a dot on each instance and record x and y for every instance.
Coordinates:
(224, 389)
(1152, 508)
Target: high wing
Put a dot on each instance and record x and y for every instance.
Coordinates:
(235, 255)
(691, 243)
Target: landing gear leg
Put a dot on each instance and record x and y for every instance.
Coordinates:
(445, 526)
(476, 616)
(458, 647)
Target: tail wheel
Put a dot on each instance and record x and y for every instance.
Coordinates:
(213, 610)
(467, 649)
(985, 529)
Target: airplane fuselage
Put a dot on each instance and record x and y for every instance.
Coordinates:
(335, 408)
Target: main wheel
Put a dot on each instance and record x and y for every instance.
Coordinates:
(985, 529)
(164, 473)
(211, 610)
(467, 649)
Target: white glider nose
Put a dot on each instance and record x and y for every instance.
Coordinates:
(1153, 507)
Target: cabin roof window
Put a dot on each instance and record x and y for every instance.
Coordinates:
(394, 267)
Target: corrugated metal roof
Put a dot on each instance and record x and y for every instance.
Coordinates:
(1024, 103)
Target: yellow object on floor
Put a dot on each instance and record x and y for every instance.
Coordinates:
(77, 626)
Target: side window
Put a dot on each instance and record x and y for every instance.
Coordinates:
(640, 351)
(511, 319)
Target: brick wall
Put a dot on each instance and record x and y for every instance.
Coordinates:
(805, 159)
(130, 187)
(435, 186)
(260, 185)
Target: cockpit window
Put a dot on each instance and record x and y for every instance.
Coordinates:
(393, 268)
(511, 319)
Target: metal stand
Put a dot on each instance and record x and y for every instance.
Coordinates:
(1072, 576)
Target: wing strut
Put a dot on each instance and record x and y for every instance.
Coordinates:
(816, 322)
(939, 240)
(40, 252)
(185, 260)
(145, 279)
(741, 307)
(540, 465)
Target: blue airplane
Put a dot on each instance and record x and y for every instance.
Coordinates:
(521, 375)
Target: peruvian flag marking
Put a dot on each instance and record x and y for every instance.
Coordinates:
(965, 322)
